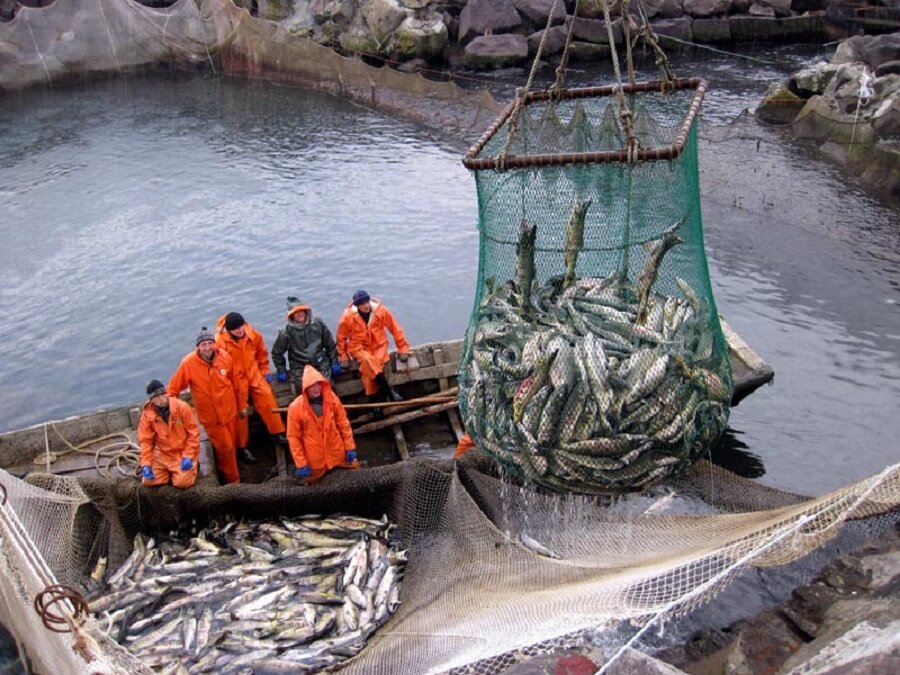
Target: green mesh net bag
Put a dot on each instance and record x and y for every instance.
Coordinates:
(594, 360)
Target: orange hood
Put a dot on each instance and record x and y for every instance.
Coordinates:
(311, 376)
(294, 304)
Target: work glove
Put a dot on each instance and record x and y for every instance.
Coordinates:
(403, 357)
(350, 456)
(186, 464)
(282, 376)
(147, 472)
(336, 369)
(302, 472)
(268, 377)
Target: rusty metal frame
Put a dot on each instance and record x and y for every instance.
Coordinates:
(471, 160)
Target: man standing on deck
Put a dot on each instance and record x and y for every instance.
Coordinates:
(209, 372)
(362, 334)
(169, 439)
(318, 429)
(304, 340)
(252, 378)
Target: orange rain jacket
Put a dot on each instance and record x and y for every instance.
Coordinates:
(171, 441)
(212, 387)
(318, 441)
(367, 343)
(250, 356)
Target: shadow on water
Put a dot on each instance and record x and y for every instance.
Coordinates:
(732, 454)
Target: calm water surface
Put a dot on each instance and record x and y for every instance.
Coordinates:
(135, 211)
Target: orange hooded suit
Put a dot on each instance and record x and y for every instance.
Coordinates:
(367, 343)
(251, 364)
(212, 391)
(318, 441)
(163, 444)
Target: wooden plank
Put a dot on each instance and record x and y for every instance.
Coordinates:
(405, 417)
(389, 404)
(405, 405)
(400, 442)
(456, 424)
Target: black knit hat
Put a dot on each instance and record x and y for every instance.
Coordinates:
(155, 388)
(360, 297)
(233, 321)
(204, 335)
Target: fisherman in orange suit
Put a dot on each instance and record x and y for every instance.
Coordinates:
(169, 438)
(318, 430)
(362, 334)
(251, 374)
(209, 372)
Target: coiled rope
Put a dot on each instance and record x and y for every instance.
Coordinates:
(118, 459)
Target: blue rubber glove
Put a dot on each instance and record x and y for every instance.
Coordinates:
(268, 377)
(350, 456)
(302, 472)
(282, 376)
(147, 472)
(186, 464)
(336, 369)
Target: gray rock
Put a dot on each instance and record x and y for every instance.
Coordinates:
(701, 9)
(871, 50)
(339, 12)
(496, 51)
(671, 9)
(886, 87)
(415, 4)
(358, 38)
(679, 29)
(859, 636)
(782, 8)
(767, 28)
(592, 30)
(483, 17)
(382, 17)
(556, 40)
(419, 39)
(886, 122)
(589, 52)
(711, 30)
(633, 662)
(593, 9)
(757, 9)
(812, 79)
(537, 11)
(780, 105)
(888, 68)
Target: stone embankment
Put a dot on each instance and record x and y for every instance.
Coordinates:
(486, 34)
(849, 106)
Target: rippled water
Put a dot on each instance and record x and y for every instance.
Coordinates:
(136, 210)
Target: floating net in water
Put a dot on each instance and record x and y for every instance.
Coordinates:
(594, 357)
(495, 568)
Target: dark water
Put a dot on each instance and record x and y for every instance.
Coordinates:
(136, 210)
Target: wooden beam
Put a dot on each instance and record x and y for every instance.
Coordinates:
(404, 405)
(405, 417)
(400, 441)
(412, 402)
(455, 423)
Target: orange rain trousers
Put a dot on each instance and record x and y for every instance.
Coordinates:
(251, 364)
(367, 343)
(319, 442)
(212, 391)
(163, 444)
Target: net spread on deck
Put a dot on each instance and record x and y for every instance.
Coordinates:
(594, 358)
(475, 587)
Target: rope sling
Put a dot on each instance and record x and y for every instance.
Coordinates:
(594, 359)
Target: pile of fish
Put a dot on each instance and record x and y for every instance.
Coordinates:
(295, 595)
(594, 384)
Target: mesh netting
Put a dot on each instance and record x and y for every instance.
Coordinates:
(594, 357)
(497, 570)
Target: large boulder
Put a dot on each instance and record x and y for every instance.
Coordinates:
(701, 9)
(338, 12)
(873, 50)
(487, 17)
(813, 79)
(537, 11)
(711, 30)
(592, 30)
(782, 8)
(358, 38)
(419, 39)
(488, 52)
(556, 41)
(886, 118)
(680, 29)
(382, 17)
(780, 105)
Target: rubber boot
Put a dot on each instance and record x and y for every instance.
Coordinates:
(384, 386)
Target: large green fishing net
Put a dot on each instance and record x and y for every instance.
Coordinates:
(594, 359)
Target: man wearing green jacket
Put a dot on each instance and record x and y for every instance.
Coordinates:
(305, 339)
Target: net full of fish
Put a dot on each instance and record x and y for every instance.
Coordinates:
(287, 596)
(594, 384)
